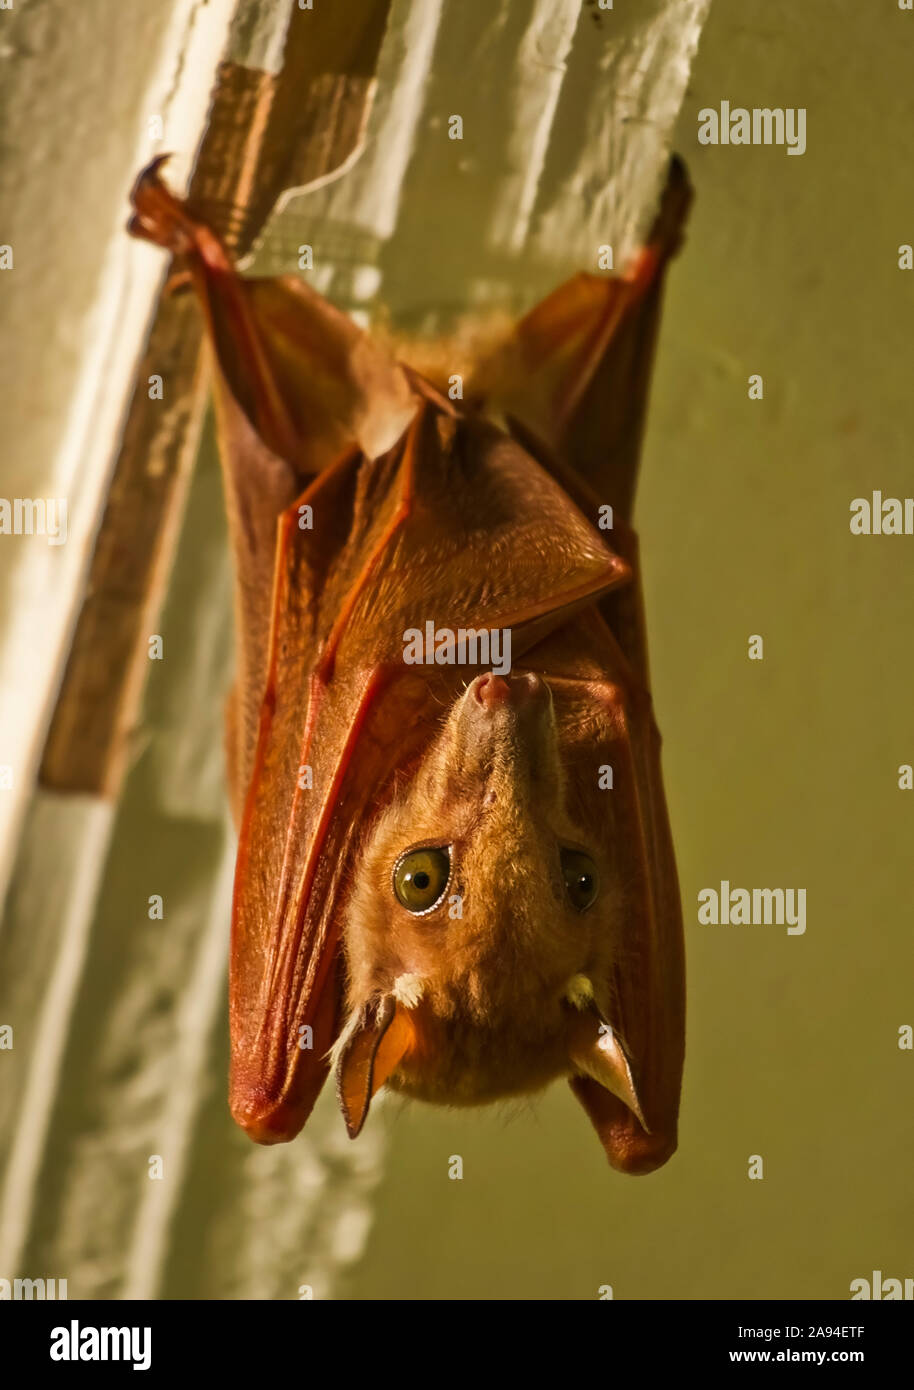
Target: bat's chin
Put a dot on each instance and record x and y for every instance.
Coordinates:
(469, 1080)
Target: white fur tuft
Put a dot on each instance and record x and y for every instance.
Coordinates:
(579, 991)
(408, 990)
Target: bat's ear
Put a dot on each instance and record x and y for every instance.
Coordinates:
(372, 1045)
(606, 1087)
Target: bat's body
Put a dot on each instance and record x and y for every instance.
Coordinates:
(455, 882)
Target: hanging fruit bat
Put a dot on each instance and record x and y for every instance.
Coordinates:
(455, 875)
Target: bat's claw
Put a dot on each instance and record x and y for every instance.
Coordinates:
(158, 215)
(162, 218)
(674, 207)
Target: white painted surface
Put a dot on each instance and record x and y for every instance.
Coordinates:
(81, 84)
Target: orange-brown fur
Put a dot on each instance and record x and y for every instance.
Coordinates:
(494, 1017)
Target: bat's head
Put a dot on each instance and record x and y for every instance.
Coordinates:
(482, 921)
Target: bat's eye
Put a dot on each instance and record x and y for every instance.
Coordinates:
(582, 882)
(420, 878)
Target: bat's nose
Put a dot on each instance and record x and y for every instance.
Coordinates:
(493, 692)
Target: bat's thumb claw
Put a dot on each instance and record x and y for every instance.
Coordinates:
(161, 217)
(158, 215)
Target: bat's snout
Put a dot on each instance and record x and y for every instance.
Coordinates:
(516, 692)
(505, 727)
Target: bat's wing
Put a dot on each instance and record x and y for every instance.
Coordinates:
(297, 384)
(575, 371)
(572, 381)
(605, 719)
(458, 527)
